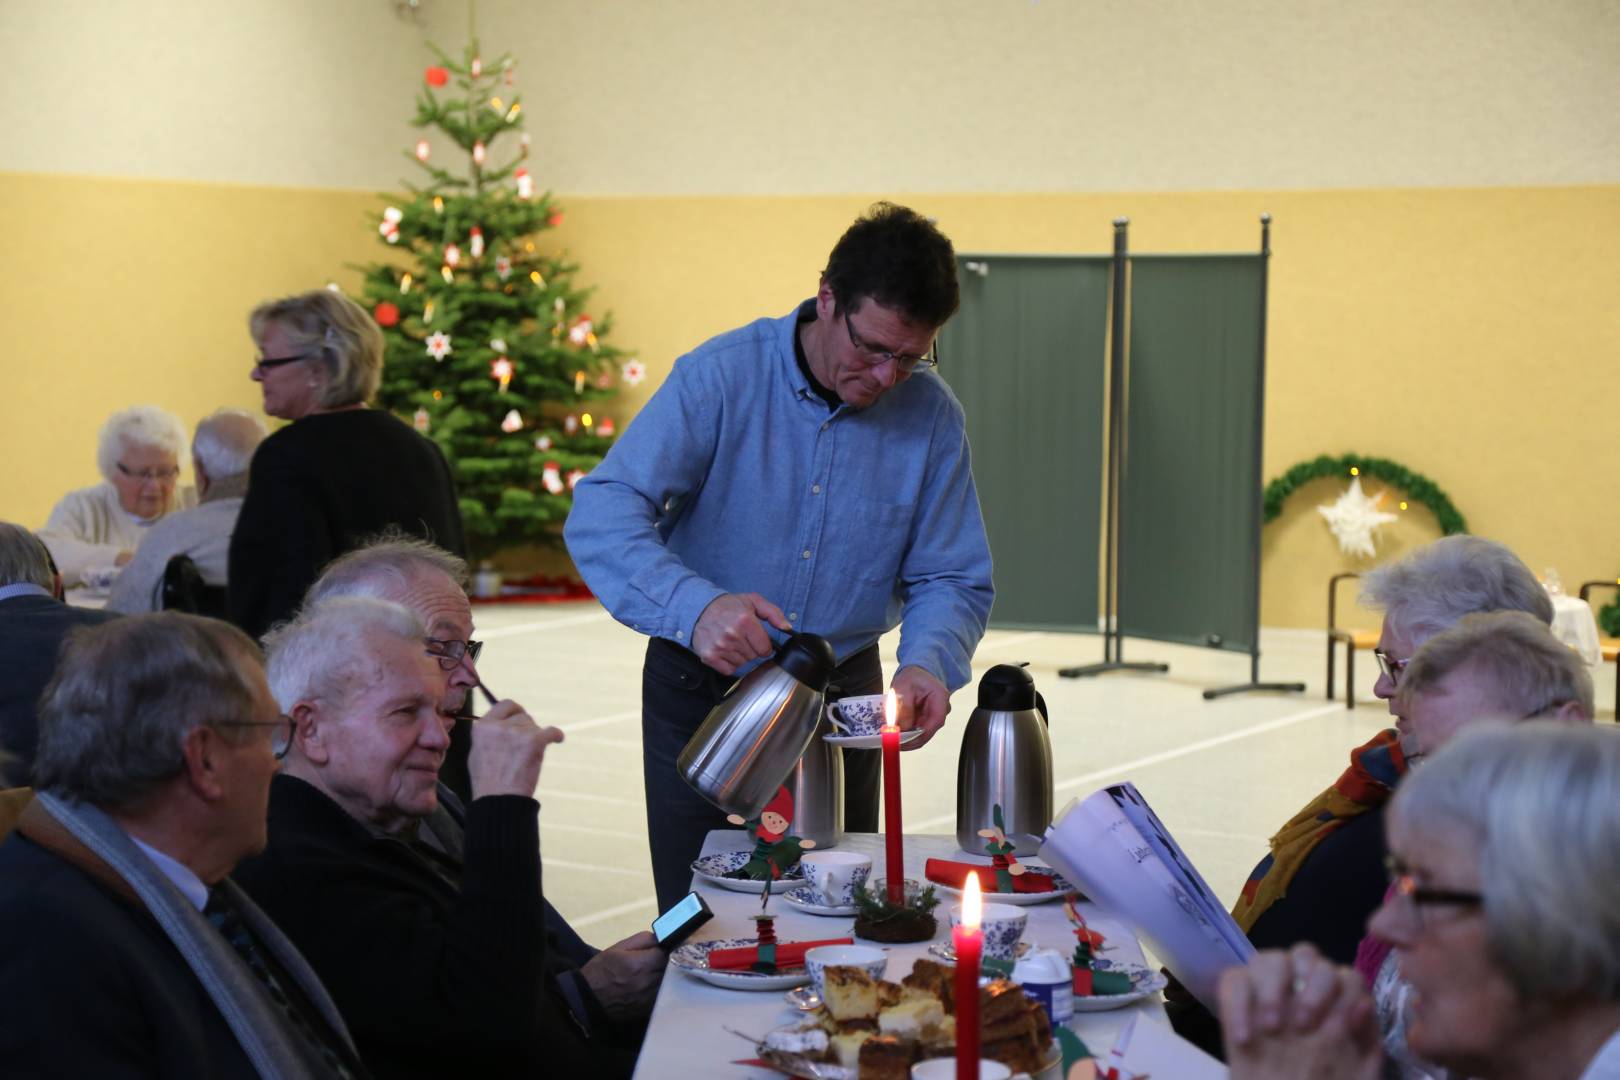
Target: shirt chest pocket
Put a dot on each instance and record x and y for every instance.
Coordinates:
(878, 542)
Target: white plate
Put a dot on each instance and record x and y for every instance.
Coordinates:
(1021, 899)
(870, 742)
(946, 951)
(713, 868)
(796, 1066)
(693, 958)
(1144, 984)
(803, 898)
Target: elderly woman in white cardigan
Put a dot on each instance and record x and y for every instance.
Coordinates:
(100, 526)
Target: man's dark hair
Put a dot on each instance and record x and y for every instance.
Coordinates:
(896, 257)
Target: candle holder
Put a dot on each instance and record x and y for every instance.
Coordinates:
(877, 919)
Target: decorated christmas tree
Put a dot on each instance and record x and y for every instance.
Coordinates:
(490, 350)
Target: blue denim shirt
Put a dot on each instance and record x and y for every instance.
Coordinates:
(735, 477)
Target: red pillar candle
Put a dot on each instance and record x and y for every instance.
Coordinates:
(969, 943)
(893, 835)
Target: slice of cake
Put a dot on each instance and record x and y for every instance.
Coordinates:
(846, 1048)
(850, 993)
(885, 1057)
(912, 1018)
(934, 979)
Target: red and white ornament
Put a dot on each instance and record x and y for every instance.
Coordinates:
(423, 150)
(580, 332)
(503, 267)
(452, 255)
(435, 76)
(477, 66)
(512, 422)
(390, 224)
(633, 372)
(438, 344)
(574, 477)
(606, 427)
(570, 424)
(421, 421)
(543, 443)
(497, 344)
(551, 477)
(475, 242)
(479, 153)
(525, 184)
(501, 371)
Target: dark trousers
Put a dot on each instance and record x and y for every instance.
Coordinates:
(677, 692)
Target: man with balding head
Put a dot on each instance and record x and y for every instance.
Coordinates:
(221, 452)
(425, 916)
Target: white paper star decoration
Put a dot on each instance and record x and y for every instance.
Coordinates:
(1354, 517)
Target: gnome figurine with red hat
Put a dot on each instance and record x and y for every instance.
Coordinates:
(775, 852)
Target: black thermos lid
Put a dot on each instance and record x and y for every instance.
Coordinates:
(808, 658)
(1007, 688)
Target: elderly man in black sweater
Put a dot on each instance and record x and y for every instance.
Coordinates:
(426, 920)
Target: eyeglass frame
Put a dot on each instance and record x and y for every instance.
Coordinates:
(261, 365)
(282, 721)
(168, 475)
(450, 651)
(1417, 896)
(1389, 665)
(908, 364)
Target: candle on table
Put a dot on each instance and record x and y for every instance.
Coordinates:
(969, 944)
(893, 835)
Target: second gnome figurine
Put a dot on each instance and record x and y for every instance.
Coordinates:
(775, 852)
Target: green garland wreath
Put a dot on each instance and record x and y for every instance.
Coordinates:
(1609, 618)
(1418, 487)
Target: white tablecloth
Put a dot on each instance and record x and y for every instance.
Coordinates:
(687, 1039)
(1575, 625)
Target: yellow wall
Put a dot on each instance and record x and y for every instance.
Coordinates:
(1471, 334)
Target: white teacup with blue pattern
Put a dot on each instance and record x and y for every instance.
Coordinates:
(861, 715)
(1002, 926)
(833, 875)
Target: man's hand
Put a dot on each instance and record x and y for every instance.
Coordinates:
(507, 750)
(123, 558)
(729, 634)
(625, 977)
(922, 702)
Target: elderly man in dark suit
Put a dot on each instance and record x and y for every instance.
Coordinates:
(427, 920)
(33, 622)
(125, 949)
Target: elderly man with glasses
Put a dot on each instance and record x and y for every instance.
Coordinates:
(424, 915)
(125, 947)
(804, 473)
(99, 527)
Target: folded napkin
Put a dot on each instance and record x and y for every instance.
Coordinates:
(954, 874)
(789, 954)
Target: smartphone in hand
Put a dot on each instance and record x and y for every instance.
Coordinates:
(675, 925)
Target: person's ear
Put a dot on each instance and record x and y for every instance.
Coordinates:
(203, 753)
(312, 727)
(1572, 712)
(826, 306)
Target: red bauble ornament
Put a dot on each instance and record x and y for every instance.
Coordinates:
(554, 220)
(386, 314)
(436, 76)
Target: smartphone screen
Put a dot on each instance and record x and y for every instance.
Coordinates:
(673, 925)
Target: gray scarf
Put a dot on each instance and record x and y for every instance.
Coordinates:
(277, 1052)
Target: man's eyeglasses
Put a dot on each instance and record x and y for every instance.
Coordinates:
(1414, 897)
(280, 738)
(1389, 665)
(449, 651)
(166, 475)
(261, 365)
(876, 357)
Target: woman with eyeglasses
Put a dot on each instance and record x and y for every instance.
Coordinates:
(99, 527)
(340, 472)
(1505, 918)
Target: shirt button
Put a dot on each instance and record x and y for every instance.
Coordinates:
(680, 635)
(806, 553)
(824, 427)
(793, 616)
(815, 489)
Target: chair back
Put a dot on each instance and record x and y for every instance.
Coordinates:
(185, 590)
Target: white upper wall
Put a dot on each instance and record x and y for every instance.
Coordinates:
(769, 97)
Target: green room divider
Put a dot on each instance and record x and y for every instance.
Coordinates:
(1026, 355)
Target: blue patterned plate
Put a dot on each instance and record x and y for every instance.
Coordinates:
(1144, 984)
(713, 869)
(693, 958)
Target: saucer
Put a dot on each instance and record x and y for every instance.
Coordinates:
(946, 951)
(713, 868)
(873, 741)
(1144, 984)
(803, 998)
(693, 958)
(1062, 887)
(803, 898)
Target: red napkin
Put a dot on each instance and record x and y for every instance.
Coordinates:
(789, 954)
(954, 874)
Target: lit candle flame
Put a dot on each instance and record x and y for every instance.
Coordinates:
(891, 705)
(971, 902)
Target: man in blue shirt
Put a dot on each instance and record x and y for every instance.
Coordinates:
(808, 472)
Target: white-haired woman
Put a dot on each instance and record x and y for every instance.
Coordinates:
(138, 453)
(1505, 920)
(340, 471)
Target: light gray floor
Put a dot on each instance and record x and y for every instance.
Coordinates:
(1223, 775)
